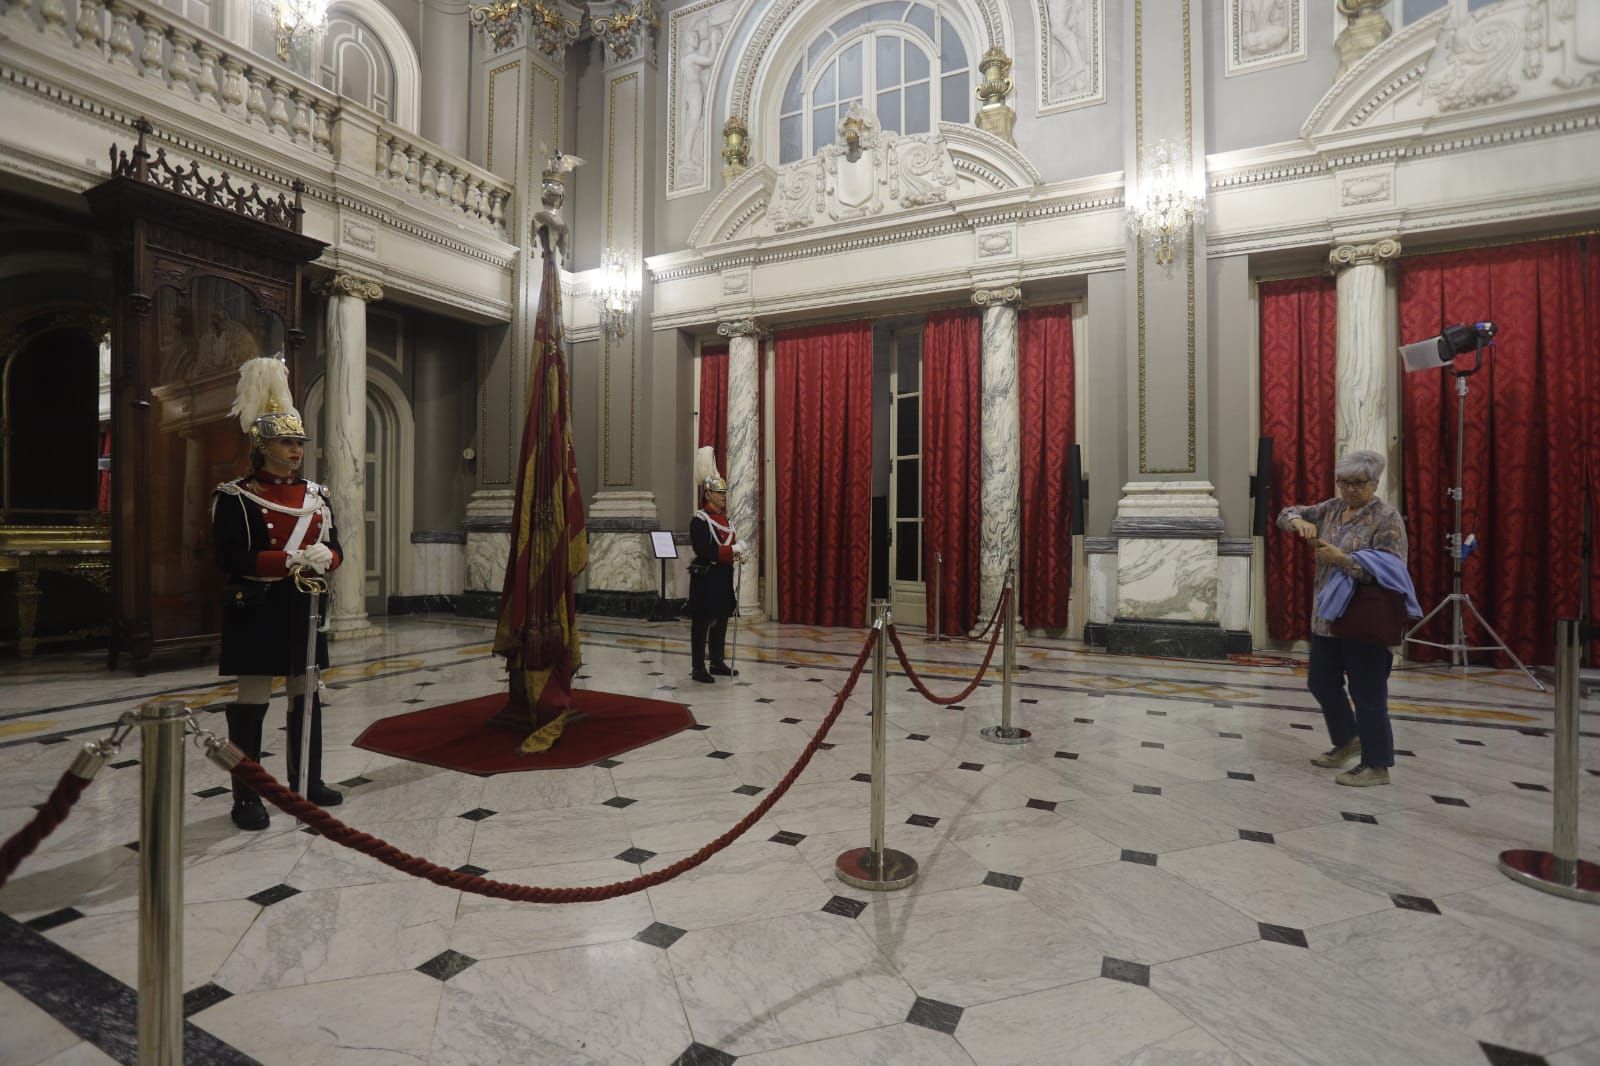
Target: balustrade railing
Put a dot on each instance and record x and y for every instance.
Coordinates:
(169, 54)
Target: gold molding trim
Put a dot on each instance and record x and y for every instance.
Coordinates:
(488, 133)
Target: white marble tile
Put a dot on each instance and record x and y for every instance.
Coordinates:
(1481, 985)
(683, 775)
(490, 928)
(110, 942)
(84, 1054)
(49, 880)
(1585, 1054)
(1270, 885)
(689, 823)
(383, 1020)
(572, 834)
(1138, 913)
(1386, 858)
(1556, 929)
(975, 945)
(1097, 1021)
(547, 790)
(1264, 806)
(30, 1035)
(1142, 822)
(940, 864)
(889, 1046)
(622, 562)
(336, 933)
(1274, 1003)
(770, 984)
(486, 560)
(745, 881)
(1026, 841)
(1167, 580)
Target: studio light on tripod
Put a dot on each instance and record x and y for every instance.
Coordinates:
(1443, 349)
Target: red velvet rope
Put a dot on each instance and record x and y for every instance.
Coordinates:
(50, 814)
(249, 772)
(983, 668)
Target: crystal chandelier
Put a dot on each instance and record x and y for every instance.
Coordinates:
(297, 22)
(616, 293)
(1166, 201)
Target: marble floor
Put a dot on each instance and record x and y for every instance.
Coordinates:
(1159, 877)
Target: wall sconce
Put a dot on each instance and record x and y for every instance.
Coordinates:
(1166, 201)
(616, 292)
(297, 22)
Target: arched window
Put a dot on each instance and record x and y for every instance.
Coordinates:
(356, 65)
(901, 60)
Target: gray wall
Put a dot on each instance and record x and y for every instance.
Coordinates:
(1265, 106)
(443, 395)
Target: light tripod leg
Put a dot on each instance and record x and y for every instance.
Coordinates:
(1500, 644)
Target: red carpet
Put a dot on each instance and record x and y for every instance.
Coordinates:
(457, 736)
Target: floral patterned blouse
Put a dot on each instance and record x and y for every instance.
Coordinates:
(1377, 525)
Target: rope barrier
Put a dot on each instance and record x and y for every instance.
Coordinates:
(983, 668)
(250, 772)
(50, 814)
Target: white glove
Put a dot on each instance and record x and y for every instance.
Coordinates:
(740, 550)
(317, 558)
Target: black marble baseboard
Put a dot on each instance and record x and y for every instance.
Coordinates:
(475, 603)
(435, 604)
(1181, 640)
(645, 605)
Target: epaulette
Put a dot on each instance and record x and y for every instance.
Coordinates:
(229, 488)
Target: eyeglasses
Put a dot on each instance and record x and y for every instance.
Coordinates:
(1345, 484)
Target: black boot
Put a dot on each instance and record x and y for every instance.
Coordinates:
(244, 730)
(723, 670)
(315, 791)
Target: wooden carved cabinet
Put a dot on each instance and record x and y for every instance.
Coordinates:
(207, 276)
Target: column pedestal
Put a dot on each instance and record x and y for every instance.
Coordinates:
(488, 526)
(624, 576)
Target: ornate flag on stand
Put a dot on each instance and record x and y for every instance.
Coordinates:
(538, 627)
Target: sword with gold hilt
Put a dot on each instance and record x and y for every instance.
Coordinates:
(313, 585)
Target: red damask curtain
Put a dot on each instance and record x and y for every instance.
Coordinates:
(1299, 318)
(952, 348)
(714, 403)
(823, 452)
(1532, 436)
(1044, 381)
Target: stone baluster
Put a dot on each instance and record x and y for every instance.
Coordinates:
(90, 36)
(207, 83)
(122, 16)
(152, 54)
(497, 208)
(444, 188)
(181, 68)
(19, 13)
(473, 204)
(1363, 356)
(233, 90)
(279, 112)
(256, 103)
(1000, 440)
(300, 123)
(322, 133)
(428, 176)
(398, 163)
(380, 162)
(54, 14)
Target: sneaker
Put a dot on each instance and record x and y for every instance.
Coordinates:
(1363, 776)
(1334, 758)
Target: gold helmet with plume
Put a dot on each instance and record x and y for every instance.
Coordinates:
(706, 478)
(263, 403)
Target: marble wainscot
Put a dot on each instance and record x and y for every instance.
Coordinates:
(488, 546)
(624, 577)
(438, 572)
(1167, 573)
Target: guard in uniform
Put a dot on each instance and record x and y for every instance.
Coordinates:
(716, 548)
(266, 526)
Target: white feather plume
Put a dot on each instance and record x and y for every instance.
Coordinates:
(263, 387)
(705, 464)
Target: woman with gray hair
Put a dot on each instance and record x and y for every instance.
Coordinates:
(1355, 520)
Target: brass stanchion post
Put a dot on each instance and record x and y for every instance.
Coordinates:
(161, 883)
(1559, 870)
(938, 596)
(876, 867)
(1005, 732)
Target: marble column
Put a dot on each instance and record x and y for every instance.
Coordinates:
(344, 445)
(1365, 358)
(744, 454)
(1000, 544)
(445, 58)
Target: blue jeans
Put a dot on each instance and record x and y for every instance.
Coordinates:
(1336, 662)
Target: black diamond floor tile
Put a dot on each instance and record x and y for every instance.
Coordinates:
(844, 905)
(1026, 700)
(636, 855)
(826, 746)
(477, 814)
(356, 782)
(999, 880)
(1298, 725)
(932, 1014)
(749, 790)
(1408, 754)
(207, 793)
(916, 736)
(207, 995)
(1156, 714)
(1236, 775)
(764, 699)
(1258, 837)
(864, 778)
(1414, 903)
(1066, 755)
(1450, 801)
(975, 766)
(1143, 858)
(606, 764)
(1282, 934)
(1152, 744)
(53, 920)
(1469, 743)
(1530, 786)
(1042, 805)
(790, 721)
(1147, 790)
(276, 894)
(1231, 736)
(926, 821)
(475, 871)
(1351, 816)
(1505, 1056)
(659, 935)
(1223, 706)
(958, 706)
(620, 801)
(413, 700)
(1134, 973)
(699, 727)
(719, 755)
(786, 837)
(445, 965)
(1083, 721)
(700, 1055)
(125, 763)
